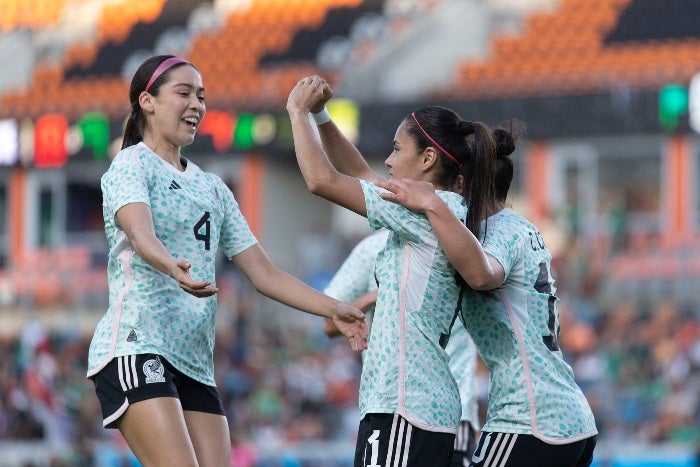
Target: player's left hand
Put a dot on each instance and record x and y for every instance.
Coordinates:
(416, 195)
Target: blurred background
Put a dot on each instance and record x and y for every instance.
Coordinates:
(608, 169)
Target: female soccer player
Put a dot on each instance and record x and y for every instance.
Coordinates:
(409, 400)
(151, 356)
(537, 414)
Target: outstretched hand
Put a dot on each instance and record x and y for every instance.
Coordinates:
(181, 273)
(309, 95)
(351, 322)
(414, 194)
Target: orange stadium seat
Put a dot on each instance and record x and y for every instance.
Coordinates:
(565, 51)
(29, 14)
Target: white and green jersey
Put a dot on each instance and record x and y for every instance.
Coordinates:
(531, 388)
(405, 370)
(463, 365)
(356, 276)
(194, 215)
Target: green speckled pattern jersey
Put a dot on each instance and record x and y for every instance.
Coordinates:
(194, 215)
(355, 277)
(463, 365)
(405, 371)
(531, 388)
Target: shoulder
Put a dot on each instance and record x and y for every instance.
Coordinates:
(130, 159)
(454, 201)
(135, 153)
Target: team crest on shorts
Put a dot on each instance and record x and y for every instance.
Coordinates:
(153, 371)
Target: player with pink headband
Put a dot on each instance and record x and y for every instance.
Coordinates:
(410, 405)
(151, 356)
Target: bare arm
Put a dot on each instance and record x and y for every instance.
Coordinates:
(321, 177)
(287, 289)
(136, 221)
(344, 156)
(480, 270)
(341, 152)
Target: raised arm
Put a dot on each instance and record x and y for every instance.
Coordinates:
(136, 221)
(287, 289)
(344, 156)
(321, 177)
(480, 270)
(341, 152)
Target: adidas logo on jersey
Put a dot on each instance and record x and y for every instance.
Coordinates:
(174, 186)
(132, 336)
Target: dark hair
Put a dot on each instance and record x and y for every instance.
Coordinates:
(443, 126)
(472, 148)
(503, 170)
(133, 132)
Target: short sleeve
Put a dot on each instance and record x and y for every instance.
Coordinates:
(413, 226)
(505, 245)
(125, 182)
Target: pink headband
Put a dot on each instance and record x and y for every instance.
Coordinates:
(454, 159)
(163, 67)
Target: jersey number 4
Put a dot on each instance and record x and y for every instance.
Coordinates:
(202, 230)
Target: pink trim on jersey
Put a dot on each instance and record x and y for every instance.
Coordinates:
(125, 258)
(402, 329)
(526, 366)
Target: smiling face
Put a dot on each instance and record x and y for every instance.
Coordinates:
(175, 113)
(405, 161)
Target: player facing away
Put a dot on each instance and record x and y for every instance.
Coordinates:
(536, 414)
(409, 400)
(151, 355)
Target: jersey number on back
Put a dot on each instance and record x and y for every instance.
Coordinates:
(202, 230)
(543, 286)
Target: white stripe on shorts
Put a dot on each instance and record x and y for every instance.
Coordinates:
(500, 450)
(402, 433)
(128, 377)
(462, 438)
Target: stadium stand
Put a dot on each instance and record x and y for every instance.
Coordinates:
(30, 14)
(261, 29)
(587, 47)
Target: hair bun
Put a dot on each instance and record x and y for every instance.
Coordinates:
(505, 142)
(466, 128)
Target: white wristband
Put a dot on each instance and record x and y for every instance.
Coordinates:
(322, 117)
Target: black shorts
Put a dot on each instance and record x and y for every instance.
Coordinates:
(464, 445)
(388, 439)
(133, 378)
(513, 450)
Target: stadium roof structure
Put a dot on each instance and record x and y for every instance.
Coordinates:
(587, 67)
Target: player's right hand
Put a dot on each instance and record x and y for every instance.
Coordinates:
(181, 273)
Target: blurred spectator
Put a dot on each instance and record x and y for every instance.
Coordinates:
(638, 362)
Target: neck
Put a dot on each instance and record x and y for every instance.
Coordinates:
(167, 152)
(495, 208)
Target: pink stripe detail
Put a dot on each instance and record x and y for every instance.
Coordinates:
(163, 67)
(402, 330)
(125, 258)
(526, 366)
(454, 159)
